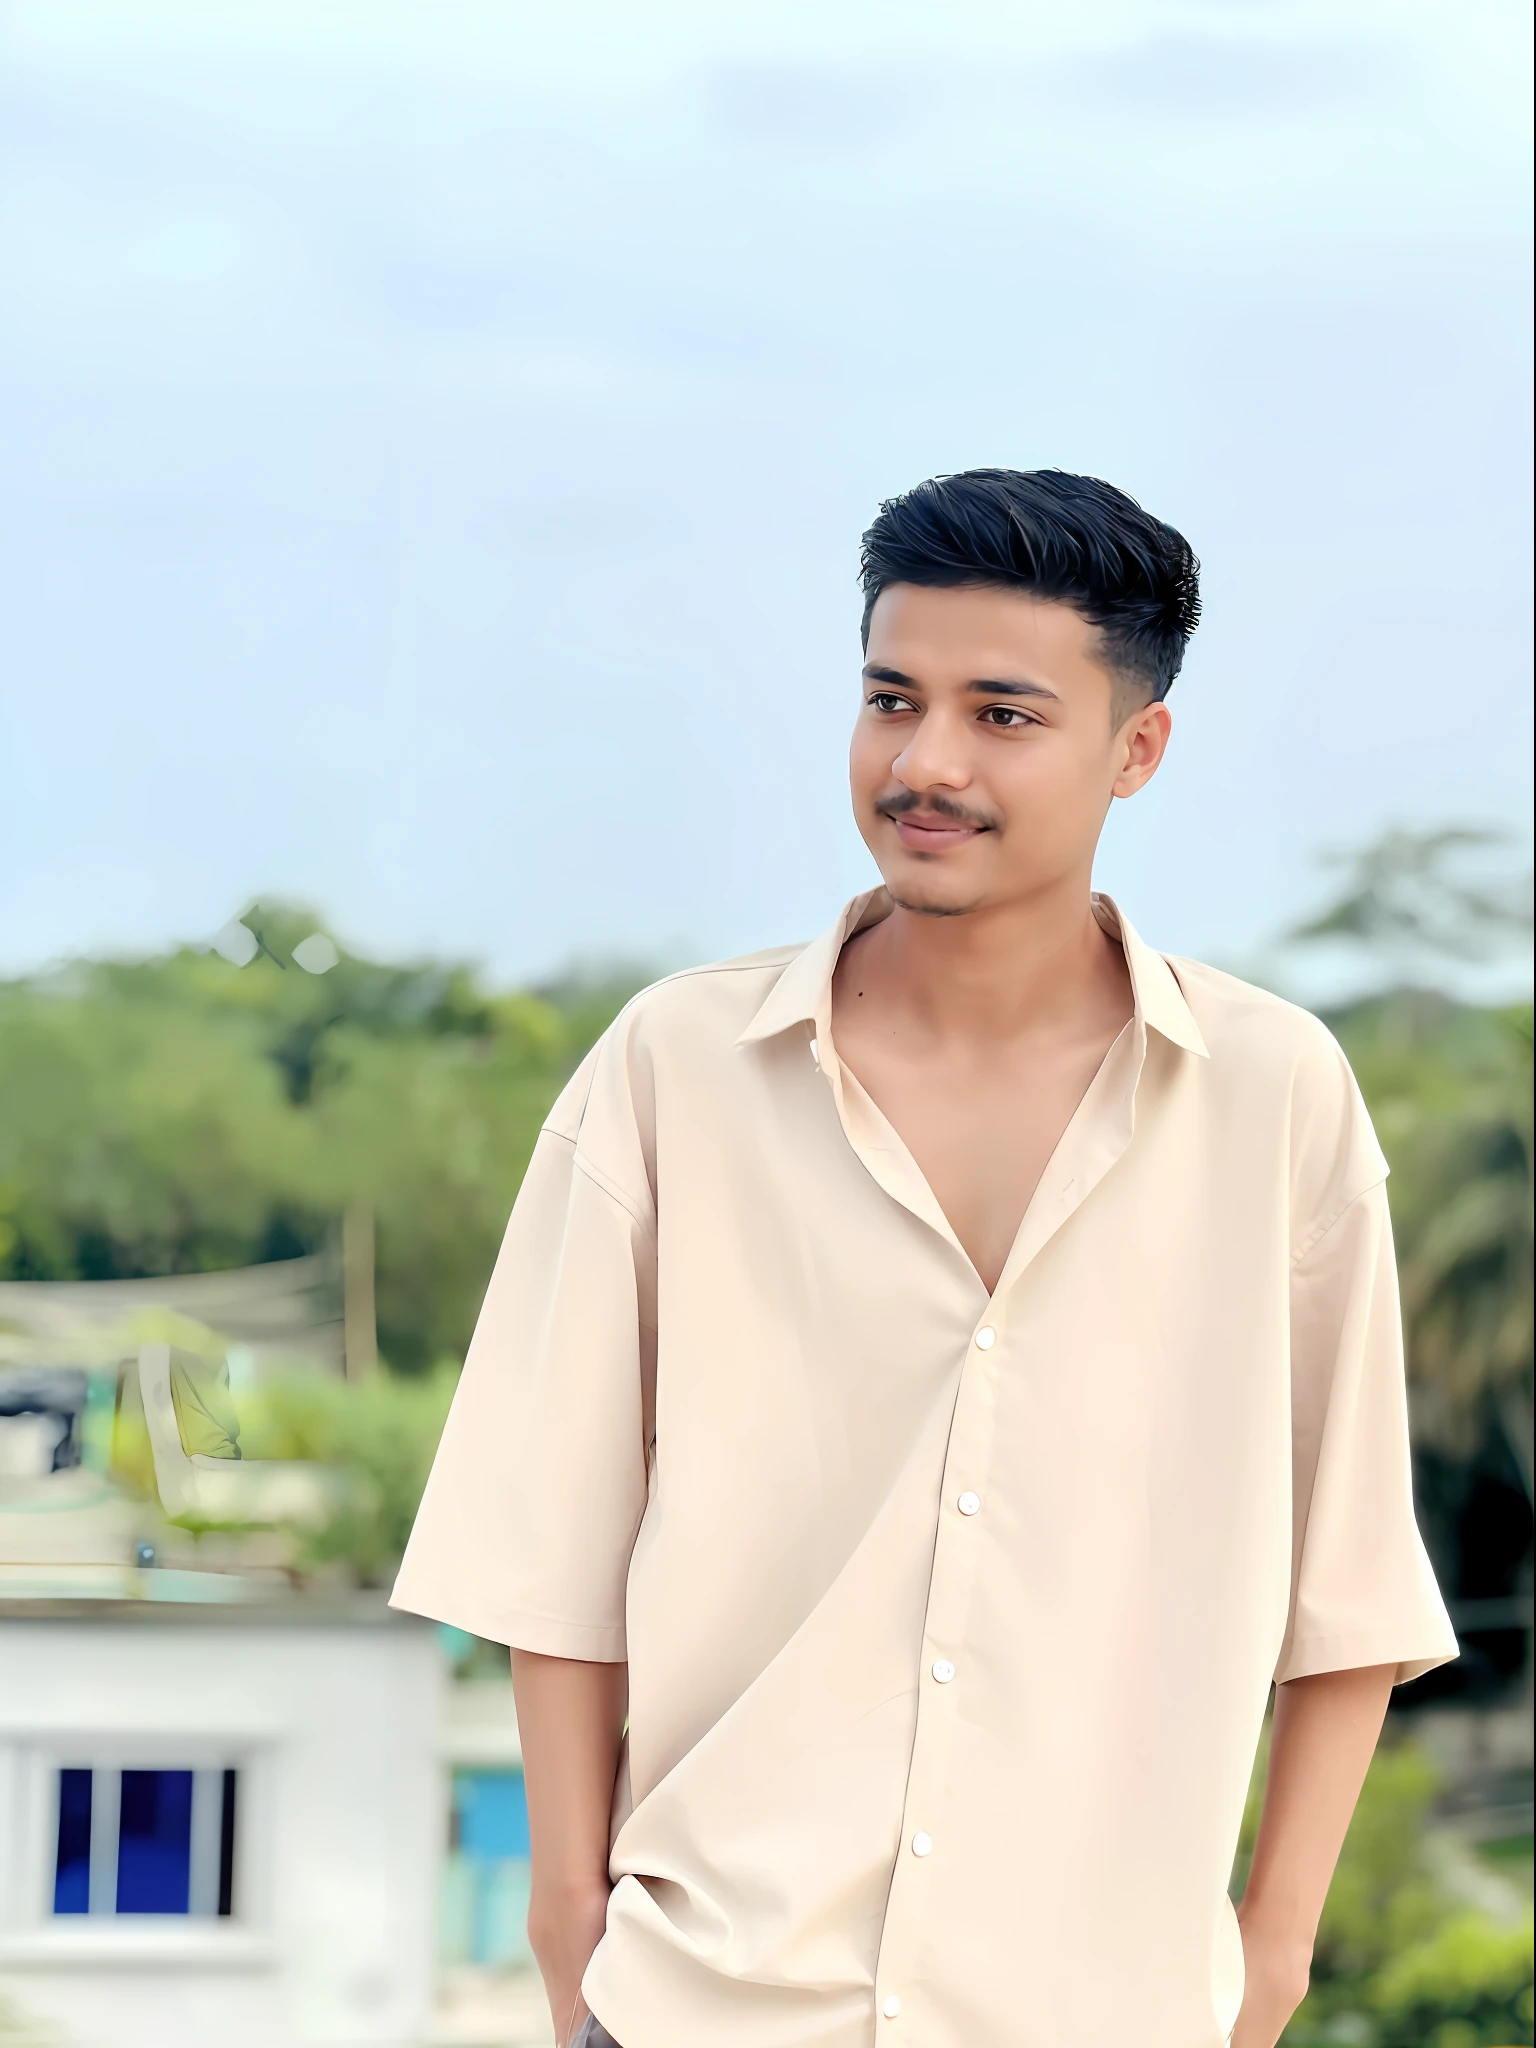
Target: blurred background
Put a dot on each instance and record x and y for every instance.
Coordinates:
(437, 436)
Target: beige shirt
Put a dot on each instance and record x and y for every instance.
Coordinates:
(950, 1619)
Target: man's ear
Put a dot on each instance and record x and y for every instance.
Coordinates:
(1140, 745)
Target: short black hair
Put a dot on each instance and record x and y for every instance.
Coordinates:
(1072, 538)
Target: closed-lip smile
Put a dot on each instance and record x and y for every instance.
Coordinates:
(927, 832)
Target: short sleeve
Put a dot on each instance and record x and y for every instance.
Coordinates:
(534, 1500)
(1362, 1590)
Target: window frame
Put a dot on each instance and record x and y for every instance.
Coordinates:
(30, 1930)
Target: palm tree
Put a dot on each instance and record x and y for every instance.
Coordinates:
(1450, 1088)
(1466, 1256)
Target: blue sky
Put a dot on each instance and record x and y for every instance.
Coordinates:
(438, 436)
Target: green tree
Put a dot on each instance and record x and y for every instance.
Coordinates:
(1400, 1962)
(1450, 1089)
(1409, 897)
(380, 1438)
(1449, 1085)
(185, 1114)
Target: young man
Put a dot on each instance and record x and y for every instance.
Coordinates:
(935, 1380)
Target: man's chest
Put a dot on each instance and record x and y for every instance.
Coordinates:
(980, 1133)
(809, 1250)
(824, 1342)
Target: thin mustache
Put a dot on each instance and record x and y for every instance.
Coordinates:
(941, 806)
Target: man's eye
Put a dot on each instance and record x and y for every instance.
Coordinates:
(1005, 716)
(887, 700)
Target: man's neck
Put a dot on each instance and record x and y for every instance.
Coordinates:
(1041, 964)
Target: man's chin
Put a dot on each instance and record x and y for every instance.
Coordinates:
(931, 902)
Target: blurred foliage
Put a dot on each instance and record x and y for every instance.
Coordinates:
(1449, 1085)
(1469, 1985)
(132, 1456)
(1450, 1091)
(1416, 895)
(185, 1114)
(376, 1439)
(1401, 1960)
(380, 1437)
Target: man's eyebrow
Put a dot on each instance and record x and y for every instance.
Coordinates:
(997, 687)
(877, 672)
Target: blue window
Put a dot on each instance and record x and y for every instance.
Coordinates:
(146, 1841)
(72, 1867)
(154, 1842)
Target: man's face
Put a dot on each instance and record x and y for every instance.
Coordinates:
(988, 746)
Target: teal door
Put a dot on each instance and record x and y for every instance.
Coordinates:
(485, 1882)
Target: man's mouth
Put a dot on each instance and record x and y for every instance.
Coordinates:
(927, 832)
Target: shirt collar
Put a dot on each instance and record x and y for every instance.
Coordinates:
(803, 992)
(1160, 1002)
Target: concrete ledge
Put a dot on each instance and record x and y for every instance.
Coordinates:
(149, 1942)
(258, 1603)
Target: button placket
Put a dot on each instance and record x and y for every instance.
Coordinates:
(956, 1560)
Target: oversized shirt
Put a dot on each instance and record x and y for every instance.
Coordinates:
(950, 1618)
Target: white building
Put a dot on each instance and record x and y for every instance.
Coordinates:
(232, 1814)
(221, 1820)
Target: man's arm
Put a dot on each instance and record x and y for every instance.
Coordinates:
(1325, 1731)
(570, 1717)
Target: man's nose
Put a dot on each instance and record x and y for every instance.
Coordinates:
(935, 757)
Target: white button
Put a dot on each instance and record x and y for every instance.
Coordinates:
(969, 1503)
(986, 1337)
(943, 1670)
(891, 2007)
(922, 1845)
